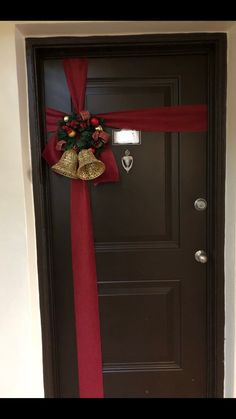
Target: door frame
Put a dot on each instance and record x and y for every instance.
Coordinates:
(214, 45)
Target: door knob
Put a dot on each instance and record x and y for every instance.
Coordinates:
(201, 256)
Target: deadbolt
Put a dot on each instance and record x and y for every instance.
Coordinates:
(201, 256)
(200, 204)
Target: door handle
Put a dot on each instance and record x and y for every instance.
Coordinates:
(201, 256)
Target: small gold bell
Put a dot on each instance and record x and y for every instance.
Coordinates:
(67, 165)
(99, 128)
(89, 167)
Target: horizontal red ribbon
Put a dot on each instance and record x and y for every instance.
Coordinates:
(181, 118)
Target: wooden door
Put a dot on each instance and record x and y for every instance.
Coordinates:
(153, 294)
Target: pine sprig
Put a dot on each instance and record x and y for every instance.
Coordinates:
(81, 134)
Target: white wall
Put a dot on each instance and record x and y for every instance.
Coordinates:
(21, 373)
(20, 334)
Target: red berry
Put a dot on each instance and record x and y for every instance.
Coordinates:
(92, 149)
(94, 122)
(74, 124)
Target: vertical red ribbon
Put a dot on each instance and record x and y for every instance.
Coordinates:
(85, 293)
(83, 261)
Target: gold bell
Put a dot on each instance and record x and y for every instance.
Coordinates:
(89, 167)
(67, 165)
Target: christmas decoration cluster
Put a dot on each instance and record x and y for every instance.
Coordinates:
(81, 131)
(81, 137)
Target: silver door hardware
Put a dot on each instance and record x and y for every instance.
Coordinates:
(201, 256)
(126, 136)
(127, 161)
(200, 204)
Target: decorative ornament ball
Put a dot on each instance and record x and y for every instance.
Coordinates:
(99, 128)
(72, 134)
(94, 122)
(66, 118)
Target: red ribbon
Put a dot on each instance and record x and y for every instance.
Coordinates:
(165, 119)
(83, 261)
(85, 293)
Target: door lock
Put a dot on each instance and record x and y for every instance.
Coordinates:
(201, 256)
(200, 204)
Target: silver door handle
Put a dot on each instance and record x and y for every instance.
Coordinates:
(201, 256)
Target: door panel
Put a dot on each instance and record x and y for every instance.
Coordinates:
(152, 292)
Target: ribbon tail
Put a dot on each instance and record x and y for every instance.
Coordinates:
(50, 153)
(85, 294)
(111, 173)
